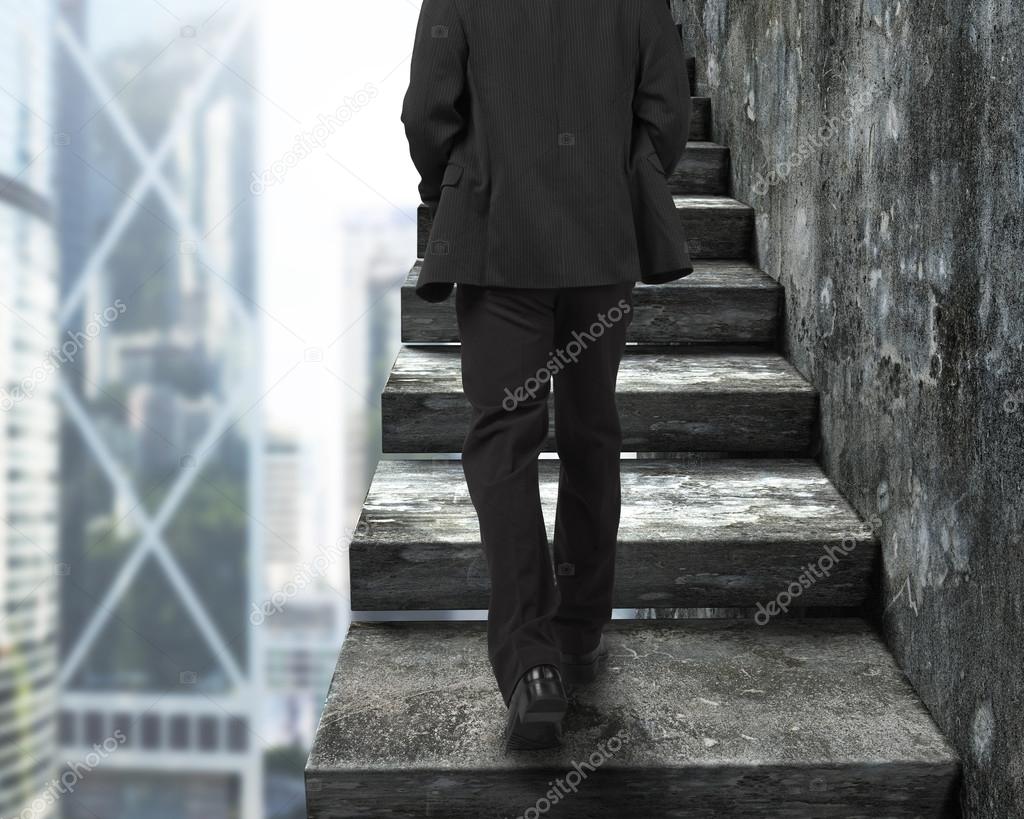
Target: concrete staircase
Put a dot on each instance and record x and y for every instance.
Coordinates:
(759, 713)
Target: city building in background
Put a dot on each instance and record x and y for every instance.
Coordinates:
(377, 251)
(307, 610)
(303, 611)
(301, 650)
(29, 562)
(173, 578)
(161, 455)
(286, 511)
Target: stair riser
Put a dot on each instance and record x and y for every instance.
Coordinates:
(698, 792)
(700, 119)
(702, 171)
(651, 422)
(431, 577)
(715, 234)
(664, 315)
(712, 233)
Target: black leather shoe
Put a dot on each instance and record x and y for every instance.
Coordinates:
(580, 669)
(535, 710)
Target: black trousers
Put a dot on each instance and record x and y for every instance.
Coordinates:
(514, 340)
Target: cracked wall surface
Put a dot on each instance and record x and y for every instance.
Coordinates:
(880, 143)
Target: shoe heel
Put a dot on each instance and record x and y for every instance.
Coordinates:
(542, 701)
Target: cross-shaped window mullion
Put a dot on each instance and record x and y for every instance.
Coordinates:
(151, 163)
(152, 539)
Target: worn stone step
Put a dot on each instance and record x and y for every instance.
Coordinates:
(717, 227)
(669, 399)
(688, 719)
(720, 533)
(703, 170)
(721, 302)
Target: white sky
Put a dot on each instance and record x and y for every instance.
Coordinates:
(315, 53)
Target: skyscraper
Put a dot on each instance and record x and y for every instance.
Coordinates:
(160, 459)
(29, 564)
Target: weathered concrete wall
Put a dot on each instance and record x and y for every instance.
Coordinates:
(899, 237)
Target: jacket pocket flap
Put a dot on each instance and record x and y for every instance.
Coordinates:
(452, 174)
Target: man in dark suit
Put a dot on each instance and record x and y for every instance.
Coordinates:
(543, 131)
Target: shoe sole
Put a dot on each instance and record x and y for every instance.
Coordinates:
(535, 716)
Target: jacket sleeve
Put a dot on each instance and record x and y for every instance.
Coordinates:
(437, 80)
(661, 101)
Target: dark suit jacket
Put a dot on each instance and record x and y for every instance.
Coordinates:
(542, 132)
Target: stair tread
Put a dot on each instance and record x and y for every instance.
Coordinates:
(643, 370)
(723, 532)
(723, 203)
(670, 398)
(688, 694)
(726, 274)
(718, 502)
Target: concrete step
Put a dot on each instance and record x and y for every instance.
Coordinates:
(669, 399)
(717, 227)
(703, 170)
(700, 118)
(721, 533)
(799, 718)
(721, 302)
